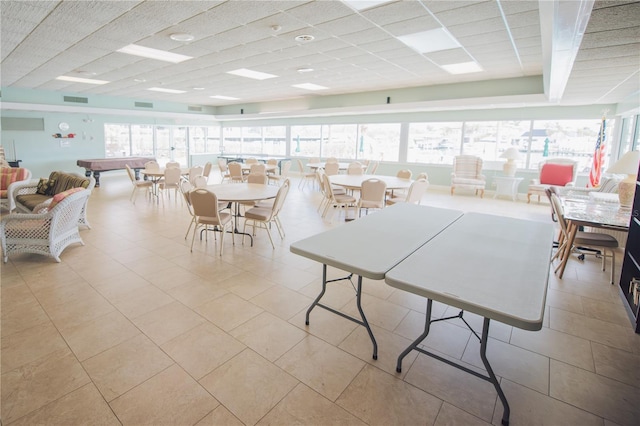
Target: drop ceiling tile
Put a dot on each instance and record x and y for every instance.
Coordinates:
(32, 12)
(346, 25)
(524, 32)
(499, 36)
(472, 29)
(471, 13)
(318, 12)
(389, 13)
(614, 17)
(611, 38)
(447, 5)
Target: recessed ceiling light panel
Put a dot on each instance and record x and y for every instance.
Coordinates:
(148, 52)
(224, 98)
(365, 4)
(163, 90)
(304, 70)
(310, 86)
(81, 80)
(430, 41)
(256, 75)
(463, 68)
(181, 37)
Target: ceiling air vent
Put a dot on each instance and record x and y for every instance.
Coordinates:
(195, 108)
(144, 104)
(76, 99)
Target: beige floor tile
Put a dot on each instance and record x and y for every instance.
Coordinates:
(17, 317)
(324, 324)
(605, 311)
(228, 311)
(590, 328)
(148, 266)
(555, 344)
(497, 330)
(196, 293)
(390, 345)
(249, 386)
(324, 368)
(455, 386)
(119, 369)
(141, 301)
(379, 312)
(169, 397)
(100, 270)
(202, 349)
(450, 416)
(247, 285)
(599, 395)
(292, 278)
(615, 364)
(529, 407)
(84, 406)
(445, 337)
(594, 290)
(167, 322)
(30, 345)
(409, 300)
(92, 337)
(220, 417)
(565, 301)
(519, 365)
(40, 382)
(336, 296)
(282, 302)
(268, 335)
(380, 398)
(304, 406)
(114, 287)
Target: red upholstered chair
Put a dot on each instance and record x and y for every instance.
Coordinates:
(558, 172)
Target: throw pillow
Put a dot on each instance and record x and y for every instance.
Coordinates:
(50, 186)
(61, 196)
(43, 186)
(556, 174)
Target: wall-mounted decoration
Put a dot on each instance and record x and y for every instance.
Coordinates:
(67, 136)
(63, 126)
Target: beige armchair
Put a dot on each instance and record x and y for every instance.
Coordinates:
(47, 233)
(467, 174)
(553, 172)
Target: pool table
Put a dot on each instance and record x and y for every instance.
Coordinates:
(98, 165)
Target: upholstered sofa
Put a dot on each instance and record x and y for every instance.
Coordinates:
(9, 176)
(36, 195)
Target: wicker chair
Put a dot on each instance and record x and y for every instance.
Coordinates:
(47, 233)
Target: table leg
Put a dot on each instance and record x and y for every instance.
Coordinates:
(483, 355)
(96, 176)
(573, 229)
(363, 322)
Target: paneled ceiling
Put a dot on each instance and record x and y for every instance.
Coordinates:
(354, 52)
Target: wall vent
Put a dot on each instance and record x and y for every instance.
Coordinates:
(195, 108)
(144, 104)
(76, 99)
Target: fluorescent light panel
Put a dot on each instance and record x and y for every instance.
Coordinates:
(256, 75)
(310, 86)
(463, 68)
(81, 80)
(163, 90)
(224, 98)
(147, 52)
(430, 41)
(365, 4)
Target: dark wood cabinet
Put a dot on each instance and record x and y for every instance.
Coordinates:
(630, 276)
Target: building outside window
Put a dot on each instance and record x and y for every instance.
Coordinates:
(117, 140)
(434, 143)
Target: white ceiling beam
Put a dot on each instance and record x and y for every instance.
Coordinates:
(562, 25)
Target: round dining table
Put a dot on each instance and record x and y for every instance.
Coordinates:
(238, 193)
(315, 166)
(355, 181)
(155, 175)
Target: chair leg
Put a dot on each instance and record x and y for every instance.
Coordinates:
(269, 234)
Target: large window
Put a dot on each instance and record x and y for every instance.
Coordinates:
(117, 140)
(306, 141)
(379, 141)
(435, 143)
(269, 140)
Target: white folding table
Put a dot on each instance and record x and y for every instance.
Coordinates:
(371, 246)
(493, 266)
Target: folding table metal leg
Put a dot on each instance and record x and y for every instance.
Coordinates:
(483, 355)
(362, 322)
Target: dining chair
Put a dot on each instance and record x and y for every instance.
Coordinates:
(206, 171)
(402, 174)
(194, 172)
(185, 188)
(260, 178)
(251, 160)
(553, 172)
(272, 162)
(331, 169)
(259, 168)
(339, 201)
(171, 181)
(263, 217)
(423, 175)
(208, 217)
(282, 175)
(413, 195)
(355, 168)
(331, 160)
(137, 184)
(582, 239)
(305, 176)
(337, 190)
(372, 195)
(151, 165)
(224, 170)
(200, 181)
(172, 164)
(235, 172)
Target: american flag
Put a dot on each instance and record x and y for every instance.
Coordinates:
(598, 156)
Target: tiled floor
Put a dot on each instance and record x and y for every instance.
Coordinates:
(135, 329)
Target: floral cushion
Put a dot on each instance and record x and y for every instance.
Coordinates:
(44, 185)
(61, 196)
